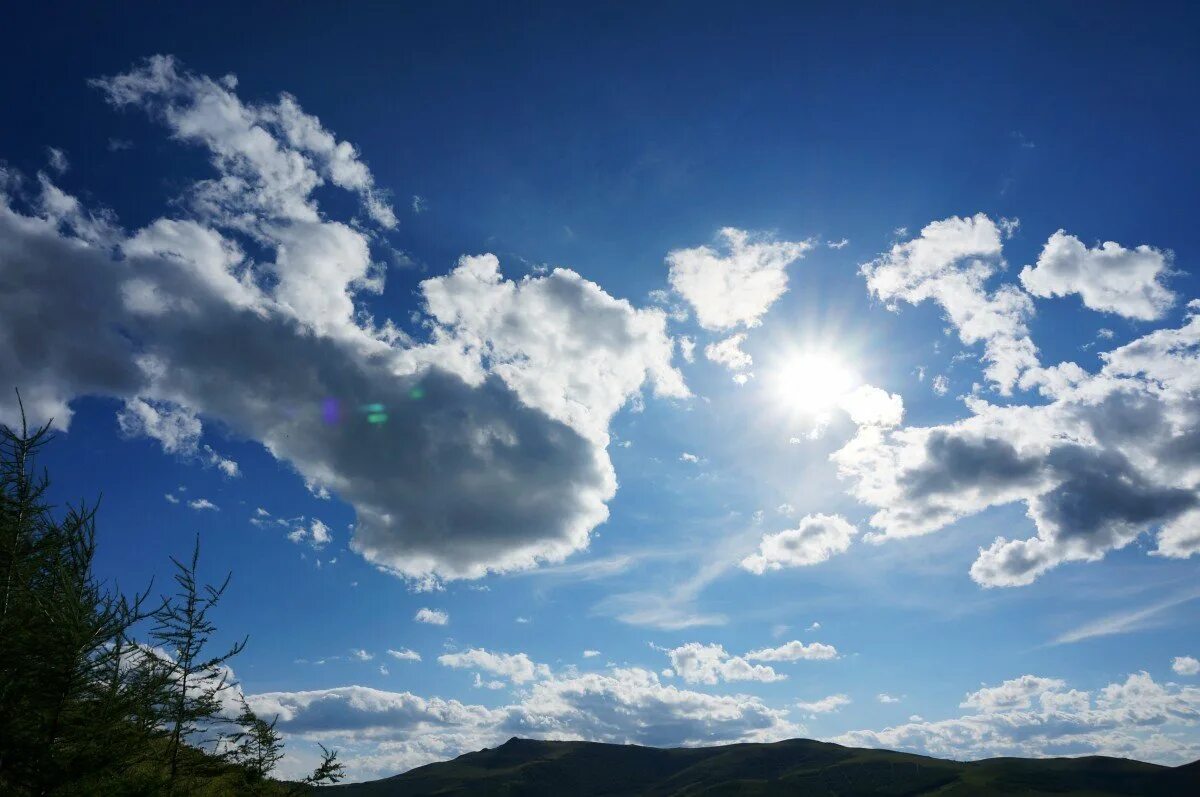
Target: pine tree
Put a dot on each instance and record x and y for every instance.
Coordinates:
(329, 771)
(65, 698)
(197, 682)
(257, 747)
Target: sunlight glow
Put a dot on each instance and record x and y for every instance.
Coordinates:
(812, 382)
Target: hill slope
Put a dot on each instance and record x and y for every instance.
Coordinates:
(797, 766)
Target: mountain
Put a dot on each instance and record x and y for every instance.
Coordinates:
(794, 767)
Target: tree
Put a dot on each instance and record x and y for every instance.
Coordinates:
(257, 747)
(196, 682)
(72, 703)
(329, 771)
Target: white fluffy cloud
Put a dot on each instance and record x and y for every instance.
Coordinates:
(316, 534)
(1034, 716)
(728, 352)
(737, 287)
(825, 705)
(814, 540)
(431, 616)
(516, 667)
(949, 263)
(1185, 665)
(380, 733)
(1108, 278)
(491, 454)
(404, 654)
(1109, 456)
(707, 664)
(795, 651)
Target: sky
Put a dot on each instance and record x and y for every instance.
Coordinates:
(675, 375)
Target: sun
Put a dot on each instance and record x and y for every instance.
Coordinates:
(812, 382)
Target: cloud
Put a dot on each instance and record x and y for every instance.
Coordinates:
(431, 616)
(825, 705)
(488, 453)
(588, 654)
(1108, 278)
(728, 352)
(516, 667)
(317, 534)
(795, 651)
(1037, 716)
(171, 499)
(361, 655)
(949, 263)
(941, 385)
(738, 287)
(884, 697)
(404, 654)
(868, 405)
(175, 428)
(688, 457)
(201, 504)
(707, 664)
(1185, 665)
(57, 159)
(383, 732)
(1109, 456)
(1124, 622)
(816, 539)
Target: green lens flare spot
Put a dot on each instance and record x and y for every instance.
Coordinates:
(417, 393)
(377, 417)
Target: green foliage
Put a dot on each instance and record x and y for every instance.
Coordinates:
(85, 708)
(194, 681)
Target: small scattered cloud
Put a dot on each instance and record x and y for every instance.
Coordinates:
(825, 705)
(203, 504)
(431, 616)
(1185, 665)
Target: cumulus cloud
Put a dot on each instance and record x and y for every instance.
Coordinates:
(884, 697)
(735, 287)
(1186, 665)
(825, 705)
(707, 664)
(384, 732)
(489, 452)
(1037, 716)
(868, 405)
(588, 654)
(1108, 278)
(1109, 456)
(404, 654)
(431, 616)
(949, 263)
(728, 352)
(795, 651)
(816, 539)
(203, 504)
(516, 667)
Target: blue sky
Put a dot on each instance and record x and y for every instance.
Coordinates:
(904, 215)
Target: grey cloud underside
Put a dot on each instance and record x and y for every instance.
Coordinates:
(464, 477)
(492, 456)
(1112, 455)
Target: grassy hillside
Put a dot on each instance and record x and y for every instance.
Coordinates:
(797, 766)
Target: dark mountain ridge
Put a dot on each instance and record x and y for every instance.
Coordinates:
(793, 767)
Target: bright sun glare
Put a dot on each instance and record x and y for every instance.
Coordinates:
(812, 382)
